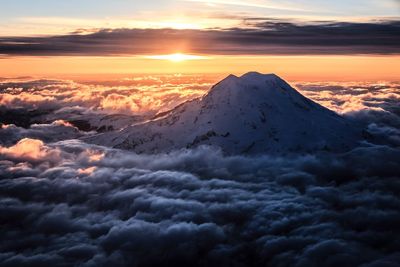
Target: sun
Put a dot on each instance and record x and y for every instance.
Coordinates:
(177, 57)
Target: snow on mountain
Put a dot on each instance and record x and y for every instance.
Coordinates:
(254, 113)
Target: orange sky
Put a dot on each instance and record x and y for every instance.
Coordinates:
(297, 39)
(306, 68)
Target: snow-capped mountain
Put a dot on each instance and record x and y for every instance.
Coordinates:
(254, 113)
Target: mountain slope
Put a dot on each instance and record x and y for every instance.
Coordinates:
(254, 113)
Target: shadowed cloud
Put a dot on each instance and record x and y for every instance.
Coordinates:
(269, 37)
(67, 203)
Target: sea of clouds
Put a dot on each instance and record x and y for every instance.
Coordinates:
(135, 95)
(67, 203)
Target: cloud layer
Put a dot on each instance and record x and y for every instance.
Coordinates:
(64, 202)
(71, 203)
(135, 95)
(261, 36)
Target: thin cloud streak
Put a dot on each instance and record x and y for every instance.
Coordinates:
(249, 4)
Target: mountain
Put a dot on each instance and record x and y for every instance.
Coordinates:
(254, 113)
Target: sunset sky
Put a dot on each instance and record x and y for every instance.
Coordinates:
(300, 40)
(200, 133)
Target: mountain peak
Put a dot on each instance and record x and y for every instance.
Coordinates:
(251, 84)
(252, 76)
(258, 75)
(231, 76)
(229, 79)
(256, 78)
(253, 113)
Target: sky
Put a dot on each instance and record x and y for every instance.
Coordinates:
(301, 39)
(72, 69)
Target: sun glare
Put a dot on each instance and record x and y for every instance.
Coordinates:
(177, 57)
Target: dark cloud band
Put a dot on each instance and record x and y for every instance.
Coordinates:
(269, 37)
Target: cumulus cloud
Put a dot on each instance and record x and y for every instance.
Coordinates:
(55, 131)
(67, 203)
(346, 97)
(29, 150)
(91, 106)
(372, 105)
(199, 207)
(136, 95)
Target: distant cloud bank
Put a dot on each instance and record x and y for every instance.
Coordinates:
(264, 37)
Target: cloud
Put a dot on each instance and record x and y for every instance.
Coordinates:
(64, 202)
(372, 105)
(55, 131)
(136, 95)
(200, 207)
(263, 37)
(256, 4)
(29, 150)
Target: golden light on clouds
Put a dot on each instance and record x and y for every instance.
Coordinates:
(177, 57)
